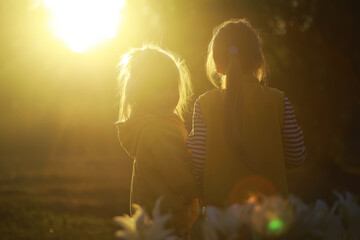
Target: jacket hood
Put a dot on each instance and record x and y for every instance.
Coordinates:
(130, 131)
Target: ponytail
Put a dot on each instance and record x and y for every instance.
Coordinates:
(234, 53)
(233, 100)
(233, 109)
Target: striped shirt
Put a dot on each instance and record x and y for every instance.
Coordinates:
(292, 140)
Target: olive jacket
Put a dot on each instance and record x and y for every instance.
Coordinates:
(160, 167)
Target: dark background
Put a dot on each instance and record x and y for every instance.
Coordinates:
(59, 153)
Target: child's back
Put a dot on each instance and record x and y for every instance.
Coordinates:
(261, 153)
(160, 166)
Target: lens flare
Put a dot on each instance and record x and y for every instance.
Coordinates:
(83, 24)
(276, 226)
(247, 189)
(252, 199)
(273, 217)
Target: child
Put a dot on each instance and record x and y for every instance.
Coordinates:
(154, 88)
(244, 133)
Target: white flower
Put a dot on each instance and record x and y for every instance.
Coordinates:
(141, 227)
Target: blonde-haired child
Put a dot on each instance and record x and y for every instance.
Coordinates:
(154, 90)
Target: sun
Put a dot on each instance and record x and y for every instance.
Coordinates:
(83, 24)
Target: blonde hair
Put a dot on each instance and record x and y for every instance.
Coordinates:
(140, 67)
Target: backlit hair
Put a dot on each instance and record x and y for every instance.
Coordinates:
(240, 34)
(140, 68)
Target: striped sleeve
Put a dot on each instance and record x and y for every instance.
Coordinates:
(292, 138)
(196, 142)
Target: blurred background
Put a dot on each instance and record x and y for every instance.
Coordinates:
(63, 174)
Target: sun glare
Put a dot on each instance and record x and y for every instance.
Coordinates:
(83, 24)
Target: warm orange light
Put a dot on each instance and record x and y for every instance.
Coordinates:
(252, 199)
(246, 190)
(83, 24)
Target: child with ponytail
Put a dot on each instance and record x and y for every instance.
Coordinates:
(154, 89)
(245, 134)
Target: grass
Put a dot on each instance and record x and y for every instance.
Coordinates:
(76, 197)
(62, 197)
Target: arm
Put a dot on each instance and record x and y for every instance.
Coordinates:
(292, 138)
(196, 142)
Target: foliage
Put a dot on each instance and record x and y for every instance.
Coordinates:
(269, 218)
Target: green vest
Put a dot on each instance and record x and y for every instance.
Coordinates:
(228, 178)
(160, 166)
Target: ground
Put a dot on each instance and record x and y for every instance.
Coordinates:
(69, 197)
(77, 196)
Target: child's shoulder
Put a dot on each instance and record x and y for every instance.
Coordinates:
(273, 90)
(165, 127)
(215, 92)
(211, 97)
(273, 93)
(211, 92)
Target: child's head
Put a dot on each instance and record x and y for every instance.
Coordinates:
(234, 43)
(152, 80)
